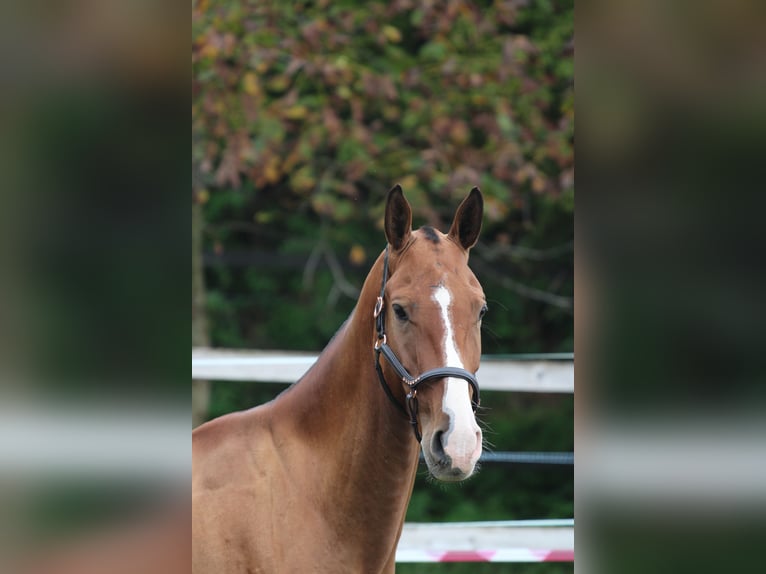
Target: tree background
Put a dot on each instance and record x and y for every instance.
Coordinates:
(304, 114)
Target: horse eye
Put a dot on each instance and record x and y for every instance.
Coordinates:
(400, 313)
(484, 309)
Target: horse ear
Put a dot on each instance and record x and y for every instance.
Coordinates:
(467, 223)
(398, 222)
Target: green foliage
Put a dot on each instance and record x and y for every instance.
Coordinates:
(304, 114)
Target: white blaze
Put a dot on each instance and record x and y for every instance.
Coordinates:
(462, 440)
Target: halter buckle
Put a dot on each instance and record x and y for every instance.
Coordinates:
(378, 307)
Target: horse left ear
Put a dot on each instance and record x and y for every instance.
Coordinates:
(467, 223)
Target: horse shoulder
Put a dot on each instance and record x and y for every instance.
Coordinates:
(226, 450)
(235, 478)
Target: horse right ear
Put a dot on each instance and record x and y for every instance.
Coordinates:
(398, 223)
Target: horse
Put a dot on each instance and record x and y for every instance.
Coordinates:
(319, 479)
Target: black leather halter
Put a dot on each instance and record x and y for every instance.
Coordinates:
(381, 346)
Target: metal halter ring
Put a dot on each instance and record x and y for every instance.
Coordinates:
(378, 307)
(379, 342)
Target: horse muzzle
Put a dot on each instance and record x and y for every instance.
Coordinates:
(451, 455)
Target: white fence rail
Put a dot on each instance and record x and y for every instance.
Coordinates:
(528, 374)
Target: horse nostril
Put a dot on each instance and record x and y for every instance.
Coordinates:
(437, 446)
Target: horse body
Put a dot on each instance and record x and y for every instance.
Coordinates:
(319, 479)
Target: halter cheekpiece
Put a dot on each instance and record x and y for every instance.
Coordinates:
(381, 346)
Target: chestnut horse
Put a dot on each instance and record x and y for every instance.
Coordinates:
(319, 479)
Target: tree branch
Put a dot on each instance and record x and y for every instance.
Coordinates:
(337, 274)
(341, 285)
(565, 303)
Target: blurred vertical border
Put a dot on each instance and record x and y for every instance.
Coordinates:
(669, 281)
(94, 394)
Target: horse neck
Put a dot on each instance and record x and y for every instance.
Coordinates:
(363, 448)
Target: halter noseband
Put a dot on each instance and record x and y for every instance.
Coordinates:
(381, 346)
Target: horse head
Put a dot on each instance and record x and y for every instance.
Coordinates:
(432, 311)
